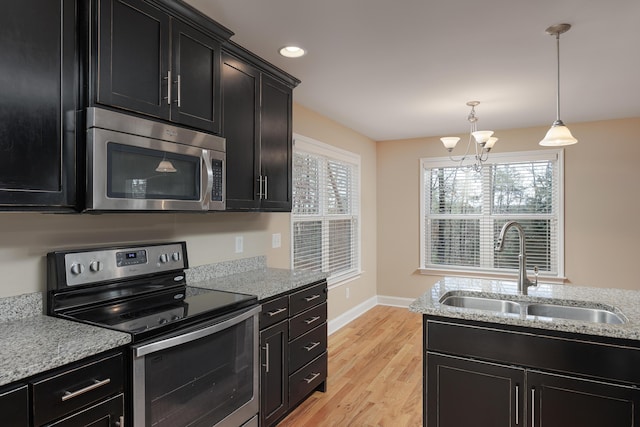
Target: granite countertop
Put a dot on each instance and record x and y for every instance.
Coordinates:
(263, 282)
(32, 343)
(622, 301)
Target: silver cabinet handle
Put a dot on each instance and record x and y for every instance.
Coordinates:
(179, 101)
(266, 188)
(311, 346)
(313, 377)
(312, 297)
(276, 312)
(121, 422)
(169, 83)
(96, 384)
(311, 320)
(260, 195)
(517, 403)
(533, 407)
(266, 358)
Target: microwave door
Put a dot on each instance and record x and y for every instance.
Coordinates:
(128, 172)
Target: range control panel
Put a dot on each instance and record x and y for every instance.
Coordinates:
(105, 264)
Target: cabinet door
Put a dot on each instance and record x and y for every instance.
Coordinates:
(14, 407)
(560, 401)
(133, 57)
(463, 392)
(276, 145)
(109, 413)
(274, 385)
(241, 105)
(38, 103)
(196, 69)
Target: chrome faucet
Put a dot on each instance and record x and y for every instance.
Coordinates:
(523, 281)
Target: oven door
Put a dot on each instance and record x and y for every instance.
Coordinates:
(128, 172)
(202, 376)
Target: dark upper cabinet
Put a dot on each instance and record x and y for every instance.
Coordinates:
(38, 81)
(151, 63)
(257, 124)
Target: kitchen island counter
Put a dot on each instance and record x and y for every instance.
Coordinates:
(626, 302)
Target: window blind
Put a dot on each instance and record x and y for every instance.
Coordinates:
(325, 214)
(465, 210)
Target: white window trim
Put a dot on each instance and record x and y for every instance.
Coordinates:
(515, 156)
(313, 146)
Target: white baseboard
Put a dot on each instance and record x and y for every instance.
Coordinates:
(360, 309)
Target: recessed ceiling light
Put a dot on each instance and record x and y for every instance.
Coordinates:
(292, 51)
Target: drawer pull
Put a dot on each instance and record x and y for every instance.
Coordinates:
(311, 320)
(96, 384)
(311, 346)
(313, 377)
(312, 297)
(278, 311)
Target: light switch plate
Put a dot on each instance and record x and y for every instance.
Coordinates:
(276, 240)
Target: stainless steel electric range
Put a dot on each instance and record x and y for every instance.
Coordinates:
(193, 360)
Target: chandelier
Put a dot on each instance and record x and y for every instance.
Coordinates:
(484, 142)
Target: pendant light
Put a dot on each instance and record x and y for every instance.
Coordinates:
(559, 134)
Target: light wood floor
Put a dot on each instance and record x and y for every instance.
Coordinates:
(375, 374)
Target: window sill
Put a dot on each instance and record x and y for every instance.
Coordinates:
(489, 275)
(335, 282)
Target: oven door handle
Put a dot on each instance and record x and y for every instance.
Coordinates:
(194, 335)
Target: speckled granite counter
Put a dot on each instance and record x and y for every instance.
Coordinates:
(623, 301)
(250, 276)
(31, 343)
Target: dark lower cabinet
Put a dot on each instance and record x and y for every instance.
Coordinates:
(560, 401)
(490, 375)
(108, 413)
(257, 124)
(293, 356)
(14, 406)
(471, 393)
(274, 388)
(38, 82)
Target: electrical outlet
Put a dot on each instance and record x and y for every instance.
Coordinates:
(347, 293)
(239, 244)
(276, 240)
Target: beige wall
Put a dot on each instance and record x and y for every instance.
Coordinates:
(313, 125)
(602, 207)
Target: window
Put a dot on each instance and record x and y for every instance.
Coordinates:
(326, 204)
(463, 212)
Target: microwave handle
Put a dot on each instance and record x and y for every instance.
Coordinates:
(174, 341)
(207, 182)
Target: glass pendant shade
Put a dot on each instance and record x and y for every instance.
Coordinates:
(166, 166)
(558, 136)
(482, 136)
(450, 142)
(490, 143)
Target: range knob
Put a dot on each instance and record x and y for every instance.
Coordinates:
(164, 258)
(77, 269)
(95, 266)
(175, 256)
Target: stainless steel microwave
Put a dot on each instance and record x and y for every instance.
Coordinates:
(135, 164)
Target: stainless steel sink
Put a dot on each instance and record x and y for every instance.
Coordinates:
(481, 303)
(584, 314)
(512, 305)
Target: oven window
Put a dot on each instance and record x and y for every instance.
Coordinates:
(203, 381)
(143, 173)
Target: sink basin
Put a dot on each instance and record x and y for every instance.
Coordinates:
(507, 304)
(481, 303)
(585, 314)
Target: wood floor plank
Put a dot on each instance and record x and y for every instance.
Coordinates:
(375, 374)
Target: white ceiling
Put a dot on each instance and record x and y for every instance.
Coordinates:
(393, 69)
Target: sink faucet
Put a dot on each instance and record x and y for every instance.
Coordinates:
(523, 281)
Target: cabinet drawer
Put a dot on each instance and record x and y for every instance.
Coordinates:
(306, 321)
(307, 379)
(307, 347)
(75, 388)
(307, 298)
(274, 312)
